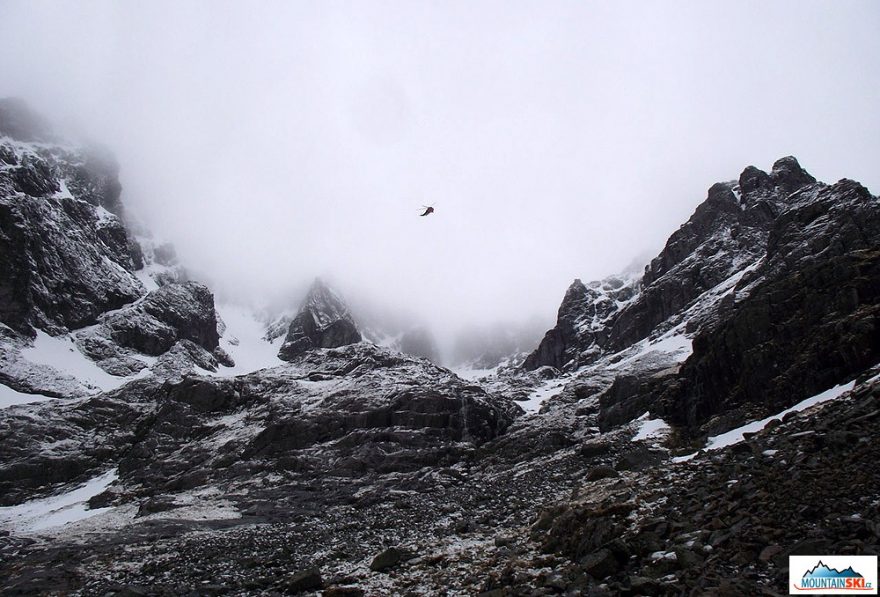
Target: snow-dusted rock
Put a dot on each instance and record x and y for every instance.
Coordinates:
(583, 323)
(332, 412)
(323, 321)
(65, 254)
(772, 284)
(808, 322)
(171, 313)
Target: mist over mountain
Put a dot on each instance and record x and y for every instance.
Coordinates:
(272, 146)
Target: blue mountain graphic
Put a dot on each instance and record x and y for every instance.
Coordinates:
(820, 570)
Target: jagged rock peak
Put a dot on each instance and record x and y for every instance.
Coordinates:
(575, 294)
(752, 179)
(40, 163)
(727, 232)
(787, 175)
(323, 321)
(325, 304)
(582, 322)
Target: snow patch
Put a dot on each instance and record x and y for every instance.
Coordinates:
(104, 216)
(58, 510)
(10, 397)
(145, 276)
(63, 192)
(737, 192)
(202, 504)
(872, 380)
(735, 436)
(651, 428)
(244, 340)
(546, 390)
(61, 353)
(672, 343)
(474, 374)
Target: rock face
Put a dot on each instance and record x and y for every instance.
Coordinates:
(583, 323)
(323, 321)
(69, 267)
(67, 440)
(171, 313)
(367, 421)
(341, 412)
(774, 277)
(728, 232)
(176, 319)
(62, 263)
(65, 255)
(811, 320)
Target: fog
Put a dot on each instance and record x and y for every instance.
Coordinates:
(273, 142)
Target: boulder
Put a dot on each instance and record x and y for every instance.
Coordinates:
(387, 559)
(305, 580)
(601, 472)
(600, 564)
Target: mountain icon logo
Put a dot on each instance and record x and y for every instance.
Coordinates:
(820, 570)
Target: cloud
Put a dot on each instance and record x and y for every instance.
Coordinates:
(279, 141)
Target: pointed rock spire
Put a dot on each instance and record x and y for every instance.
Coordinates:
(753, 179)
(788, 174)
(323, 321)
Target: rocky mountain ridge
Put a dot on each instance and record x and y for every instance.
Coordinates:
(728, 232)
(773, 279)
(85, 304)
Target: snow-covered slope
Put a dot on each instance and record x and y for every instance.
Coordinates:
(245, 339)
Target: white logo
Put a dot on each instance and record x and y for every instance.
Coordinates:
(832, 575)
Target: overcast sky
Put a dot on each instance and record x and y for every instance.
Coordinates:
(272, 142)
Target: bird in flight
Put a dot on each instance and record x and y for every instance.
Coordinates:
(428, 210)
